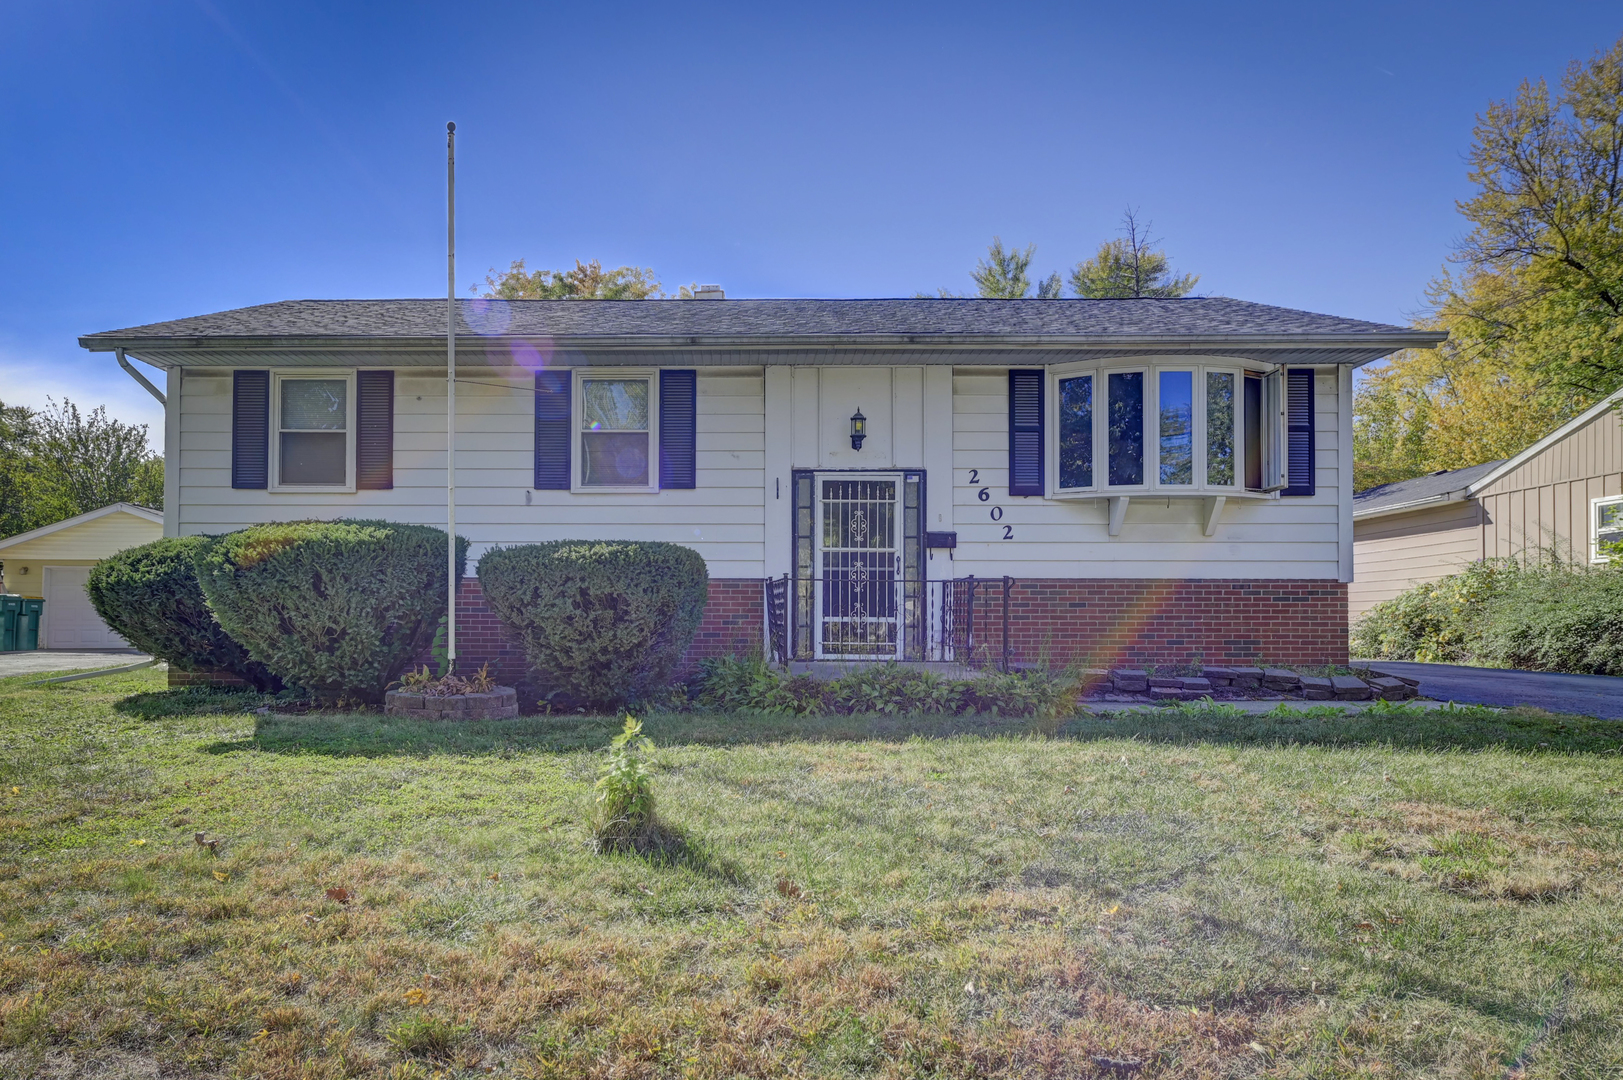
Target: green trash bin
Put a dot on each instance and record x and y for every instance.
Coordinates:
(28, 631)
(19, 622)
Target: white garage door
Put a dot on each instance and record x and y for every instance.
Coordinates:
(70, 621)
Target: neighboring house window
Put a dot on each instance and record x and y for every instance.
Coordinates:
(1606, 528)
(313, 425)
(617, 431)
(1167, 429)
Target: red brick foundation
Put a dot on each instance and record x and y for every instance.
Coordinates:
(1109, 622)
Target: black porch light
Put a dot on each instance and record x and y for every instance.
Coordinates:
(859, 429)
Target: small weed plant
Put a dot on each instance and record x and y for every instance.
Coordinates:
(624, 817)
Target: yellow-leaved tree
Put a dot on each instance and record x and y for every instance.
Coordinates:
(1534, 308)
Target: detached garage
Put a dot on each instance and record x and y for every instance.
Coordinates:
(54, 562)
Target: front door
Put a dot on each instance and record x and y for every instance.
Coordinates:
(859, 566)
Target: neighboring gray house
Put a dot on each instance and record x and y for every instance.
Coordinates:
(1160, 478)
(1563, 496)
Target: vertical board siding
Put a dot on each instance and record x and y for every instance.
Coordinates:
(497, 501)
(1161, 538)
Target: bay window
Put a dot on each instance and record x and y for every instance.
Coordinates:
(1166, 429)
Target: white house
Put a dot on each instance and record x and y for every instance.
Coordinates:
(1156, 480)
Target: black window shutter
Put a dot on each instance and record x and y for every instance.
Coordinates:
(1026, 431)
(552, 433)
(678, 429)
(374, 430)
(250, 429)
(1299, 432)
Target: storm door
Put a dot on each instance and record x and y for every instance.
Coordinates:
(859, 566)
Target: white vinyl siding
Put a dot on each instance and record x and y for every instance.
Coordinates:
(721, 519)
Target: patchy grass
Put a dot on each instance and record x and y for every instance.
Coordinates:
(1188, 893)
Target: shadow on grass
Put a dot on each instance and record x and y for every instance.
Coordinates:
(197, 701)
(376, 735)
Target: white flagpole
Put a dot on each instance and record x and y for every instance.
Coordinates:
(450, 397)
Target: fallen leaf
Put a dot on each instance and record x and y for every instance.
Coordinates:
(221, 875)
(1363, 926)
(416, 996)
(339, 895)
(495, 877)
(137, 843)
(1258, 1047)
(969, 987)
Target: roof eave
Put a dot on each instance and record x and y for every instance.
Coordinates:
(1365, 343)
(1413, 504)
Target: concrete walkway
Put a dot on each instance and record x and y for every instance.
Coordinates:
(1585, 695)
(37, 660)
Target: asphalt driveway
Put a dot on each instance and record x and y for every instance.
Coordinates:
(1586, 695)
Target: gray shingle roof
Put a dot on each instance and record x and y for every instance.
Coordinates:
(718, 320)
(1419, 489)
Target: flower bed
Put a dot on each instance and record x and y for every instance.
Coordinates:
(451, 697)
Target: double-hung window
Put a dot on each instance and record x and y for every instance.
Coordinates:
(618, 431)
(1166, 429)
(313, 431)
(1606, 528)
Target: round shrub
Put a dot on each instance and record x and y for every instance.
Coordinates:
(150, 597)
(339, 608)
(602, 622)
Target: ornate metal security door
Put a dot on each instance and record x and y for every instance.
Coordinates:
(859, 567)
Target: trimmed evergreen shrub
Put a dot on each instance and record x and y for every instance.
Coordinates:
(150, 597)
(602, 622)
(339, 608)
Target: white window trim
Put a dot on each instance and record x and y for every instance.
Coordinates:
(277, 377)
(1595, 555)
(1151, 367)
(577, 417)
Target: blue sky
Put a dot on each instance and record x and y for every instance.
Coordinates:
(172, 158)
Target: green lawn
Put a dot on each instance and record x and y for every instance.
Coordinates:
(1398, 894)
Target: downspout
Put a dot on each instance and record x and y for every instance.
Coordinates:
(140, 378)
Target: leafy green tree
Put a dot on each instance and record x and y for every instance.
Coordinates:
(1534, 305)
(61, 462)
(1130, 266)
(587, 281)
(1541, 272)
(1003, 274)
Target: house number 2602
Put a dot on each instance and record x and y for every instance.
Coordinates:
(985, 495)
